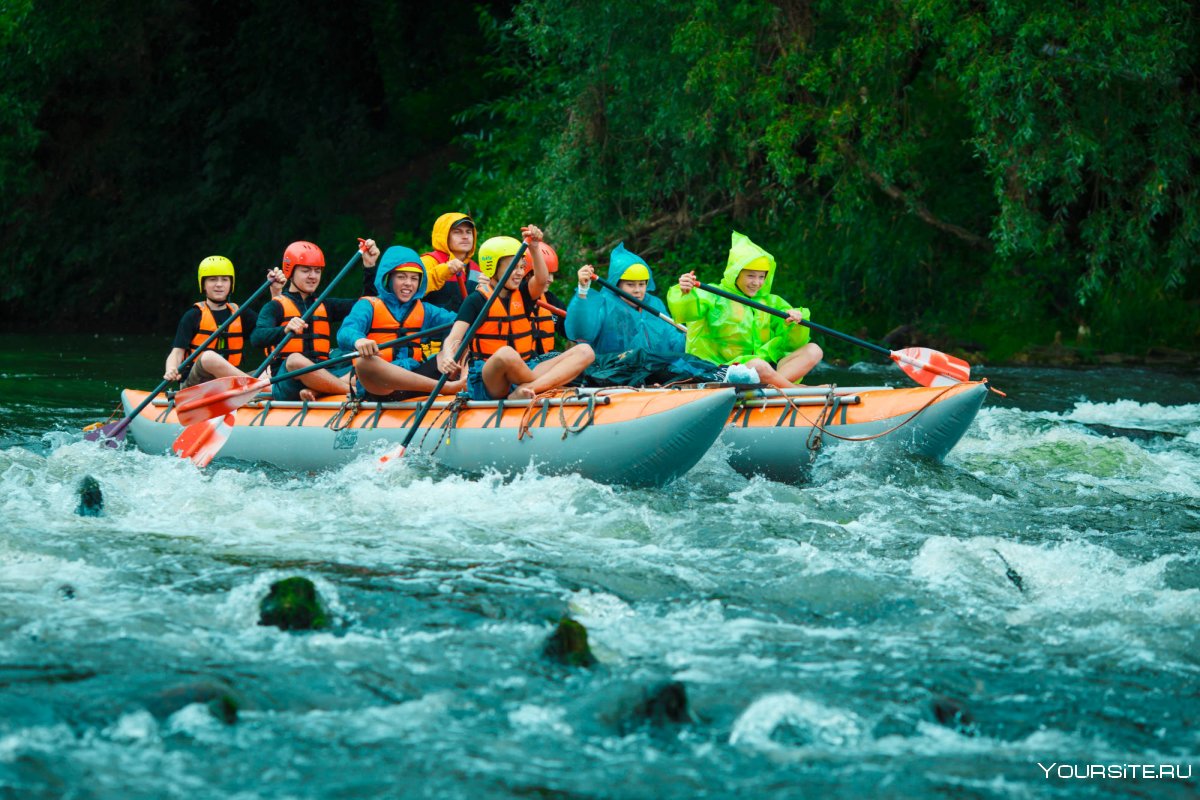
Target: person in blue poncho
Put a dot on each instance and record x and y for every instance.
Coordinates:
(611, 324)
(407, 371)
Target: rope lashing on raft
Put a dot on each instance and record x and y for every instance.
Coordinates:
(348, 410)
(817, 425)
(450, 412)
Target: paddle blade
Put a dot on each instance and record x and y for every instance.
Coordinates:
(202, 441)
(932, 367)
(110, 434)
(216, 398)
(397, 452)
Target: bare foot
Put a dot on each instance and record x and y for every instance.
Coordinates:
(308, 394)
(522, 392)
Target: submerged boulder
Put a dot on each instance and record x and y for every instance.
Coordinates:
(954, 714)
(664, 704)
(293, 605)
(219, 698)
(569, 645)
(91, 499)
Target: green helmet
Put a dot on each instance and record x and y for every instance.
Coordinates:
(212, 266)
(494, 249)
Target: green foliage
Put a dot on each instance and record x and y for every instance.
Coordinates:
(953, 165)
(994, 171)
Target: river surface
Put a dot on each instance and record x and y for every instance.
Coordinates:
(1044, 580)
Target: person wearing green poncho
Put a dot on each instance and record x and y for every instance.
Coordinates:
(727, 332)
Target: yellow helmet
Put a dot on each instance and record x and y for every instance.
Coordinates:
(212, 266)
(635, 272)
(494, 249)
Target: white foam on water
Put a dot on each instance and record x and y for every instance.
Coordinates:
(823, 726)
(1064, 580)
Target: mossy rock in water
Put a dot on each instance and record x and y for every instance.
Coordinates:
(220, 699)
(954, 714)
(91, 499)
(664, 704)
(293, 605)
(569, 645)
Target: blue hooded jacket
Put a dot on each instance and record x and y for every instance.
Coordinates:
(358, 321)
(610, 325)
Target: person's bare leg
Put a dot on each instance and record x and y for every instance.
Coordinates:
(503, 369)
(216, 365)
(320, 382)
(799, 363)
(560, 370)
(768, 375)
(383, 377)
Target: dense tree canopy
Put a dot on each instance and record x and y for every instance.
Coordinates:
(990, 171)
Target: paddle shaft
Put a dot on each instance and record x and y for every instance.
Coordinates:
(627, 296)
(312, 308)
(188, 361)
(348, 357)
(462, 347)
(807, 323)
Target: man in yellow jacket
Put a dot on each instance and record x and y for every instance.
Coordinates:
(727, 332)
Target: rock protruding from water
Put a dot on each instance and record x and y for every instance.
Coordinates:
(219, 698)
(91, 499)
(569, 645)
(293, 605)
(954, 714)
(665, 704)
(1134, 434)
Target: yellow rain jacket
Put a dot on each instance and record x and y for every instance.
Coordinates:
(724, 331)
(439, 273)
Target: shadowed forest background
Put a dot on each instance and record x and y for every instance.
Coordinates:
(990, 175)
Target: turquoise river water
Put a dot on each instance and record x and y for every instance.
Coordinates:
(1044, 582)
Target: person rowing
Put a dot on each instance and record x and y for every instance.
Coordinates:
(222, 357)
(506, 359)
(302, 265)
(728, 332)
(397, 310)
(612, 324)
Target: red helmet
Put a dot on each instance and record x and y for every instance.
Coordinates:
(548, 255)
(305, 253)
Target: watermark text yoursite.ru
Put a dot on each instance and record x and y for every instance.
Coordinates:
(1117, 771)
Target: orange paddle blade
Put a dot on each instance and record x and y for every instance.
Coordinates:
(203, 440)
(932, 367)
(396, 452)
(216, 398)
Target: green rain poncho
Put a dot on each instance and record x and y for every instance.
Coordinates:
(724, 332)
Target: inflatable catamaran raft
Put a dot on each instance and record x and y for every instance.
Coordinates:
(642, 436)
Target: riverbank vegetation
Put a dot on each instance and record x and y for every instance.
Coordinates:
(992, 178)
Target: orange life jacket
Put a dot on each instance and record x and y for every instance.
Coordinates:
(230, 344)
(543, 323)
(512, 327)
(385, 327)
(315, 343)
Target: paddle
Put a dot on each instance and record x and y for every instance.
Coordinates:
(114, 432)
(555, 310)
(398, 452)
(925, 366)
(209, 414)
(638, 303)
(218, 397)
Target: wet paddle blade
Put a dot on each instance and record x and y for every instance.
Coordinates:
(932, 367)
(202, 441)
(216, 398)
(110, 434)
(397, 452)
